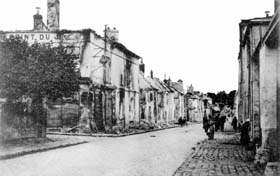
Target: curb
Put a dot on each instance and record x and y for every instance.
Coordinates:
(109, 135)
(14, 155)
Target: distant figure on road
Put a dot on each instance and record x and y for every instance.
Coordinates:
(184, 122)
(245, 129)
(180, 121)
(211, 130)
(205, 123)
(217, 122)
(234, 123)
(222, 122)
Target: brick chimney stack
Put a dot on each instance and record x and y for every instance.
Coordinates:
(276, 5)
(113, 34)
(142, 66)
(38, 20)
(53, 15)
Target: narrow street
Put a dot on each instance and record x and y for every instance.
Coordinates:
(156, 154)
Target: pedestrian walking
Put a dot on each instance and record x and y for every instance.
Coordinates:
(217, 122)
(228, 126)
(180, 121)
(245, 129)
(222, 122)
(234, 123)
(205, 123)
(239, 125)
(211, 130)
(184, 122)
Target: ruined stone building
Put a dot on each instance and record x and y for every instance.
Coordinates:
(258, 92)
(179, 99)
(251, 33)
(196, 104)
(148, 93)
(109, 88)
(160, 102)
(114, 93)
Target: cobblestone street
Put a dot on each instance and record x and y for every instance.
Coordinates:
(219, 157)
(157, 153)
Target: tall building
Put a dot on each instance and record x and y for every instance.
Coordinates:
(259, 78)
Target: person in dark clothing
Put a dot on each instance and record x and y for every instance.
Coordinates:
(211, 130)
(184, 122)
(180, 121)
(205, 123)
(222, 122)
(234, 123)
(217, 122)
(245, 129)
(239, 125)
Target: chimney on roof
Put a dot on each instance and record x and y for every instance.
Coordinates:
(169, 82)
(165, 80)
(267, 14)
(276, 5)
(152, 74)
(112, 34)
(53, 15)
(38, 20)
(180, 82)
(142, 66)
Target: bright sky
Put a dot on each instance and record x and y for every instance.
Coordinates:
(193, 40)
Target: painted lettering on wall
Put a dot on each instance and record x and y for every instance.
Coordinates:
(39, 37)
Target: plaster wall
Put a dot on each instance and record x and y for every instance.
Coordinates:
(268, 89)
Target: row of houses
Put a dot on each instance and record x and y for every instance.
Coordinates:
(197, 105)
(258, 92)
(161, 101)
(114, 91)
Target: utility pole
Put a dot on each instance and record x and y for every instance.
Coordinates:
(105, 54)
(105, 39)
(104, 77)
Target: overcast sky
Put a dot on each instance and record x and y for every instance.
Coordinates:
(193, 40)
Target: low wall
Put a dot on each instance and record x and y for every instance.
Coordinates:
(59, 115)
(15, 126)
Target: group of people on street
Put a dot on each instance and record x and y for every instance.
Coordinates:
(223, 121)
(209, 126)
(182, 121)
(226, 121)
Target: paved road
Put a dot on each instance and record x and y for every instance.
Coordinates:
(151, 154)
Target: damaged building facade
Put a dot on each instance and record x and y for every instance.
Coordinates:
(109, 86)
(196, 105)
(114, 94)
(258, 92)
(161, 102)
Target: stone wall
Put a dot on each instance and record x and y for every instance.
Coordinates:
(268, 101)
(16, 126)
(64, 114)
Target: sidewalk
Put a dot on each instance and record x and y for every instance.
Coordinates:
(219, 157)
(29, 146)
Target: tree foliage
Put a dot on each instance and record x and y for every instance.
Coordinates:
(213, 96)
(223, 98)
(38, 71)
